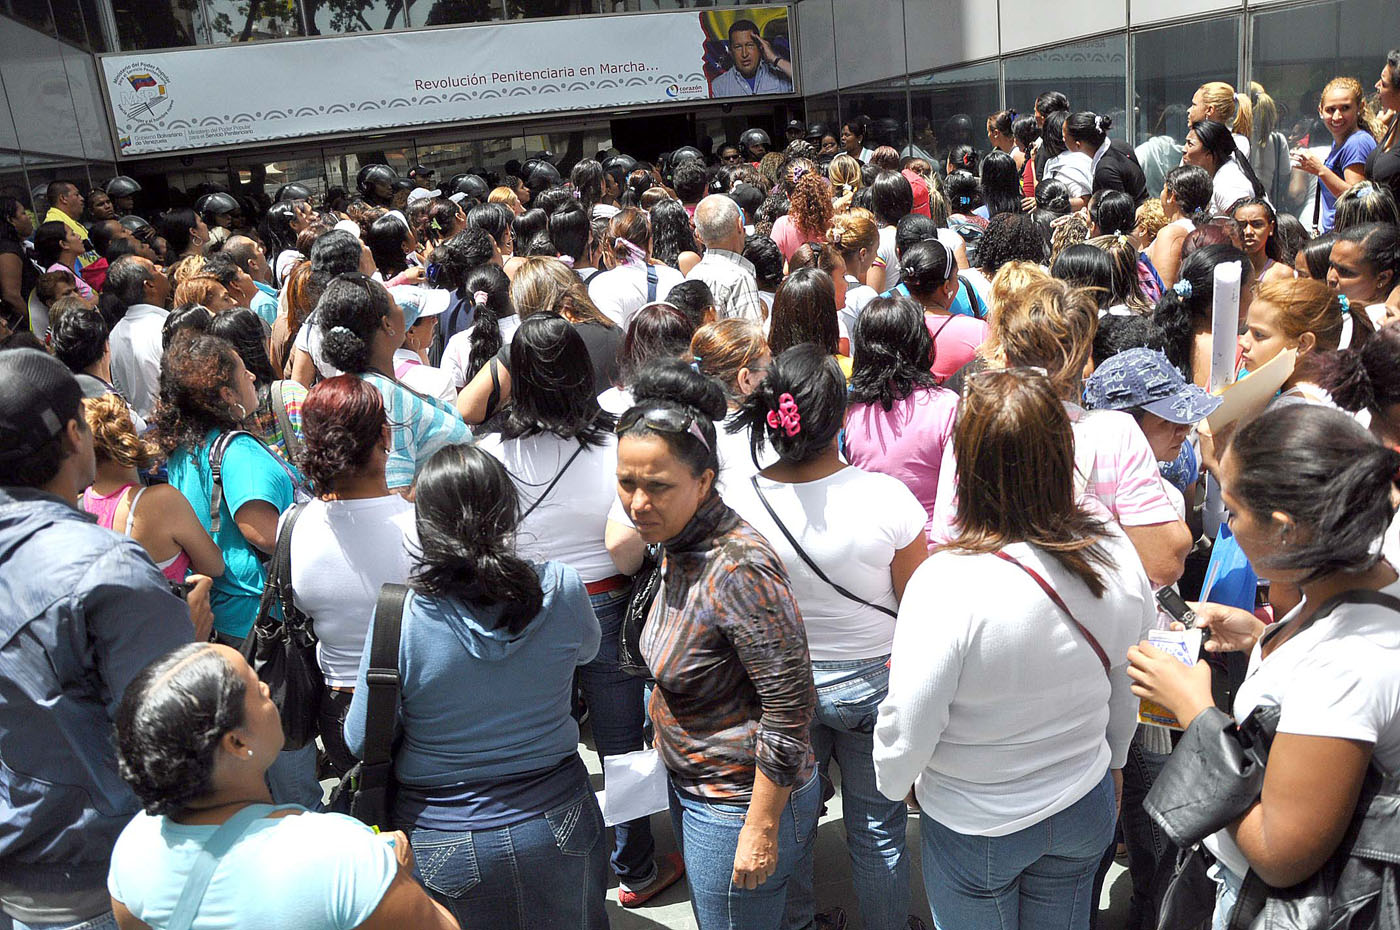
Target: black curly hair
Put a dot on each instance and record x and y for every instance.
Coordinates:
(1010, 237)
(192, 372)
(170, 722)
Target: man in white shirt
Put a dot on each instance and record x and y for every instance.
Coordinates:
(757, 67)
(720, 226)
(144, 290)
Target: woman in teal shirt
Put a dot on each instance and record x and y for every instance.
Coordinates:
(205, 391)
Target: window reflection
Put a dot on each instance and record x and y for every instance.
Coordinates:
(1164, 81)
(885, 104)
(446, 12)
(1093, 74)
(329, 17)
(949, 108)
(143, 24)
(252, 20)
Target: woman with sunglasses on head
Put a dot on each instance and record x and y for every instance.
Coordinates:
(850, 540)
(490, 786)
(1006, 832)
(1310, 495)
(733, 700)
(361, 329)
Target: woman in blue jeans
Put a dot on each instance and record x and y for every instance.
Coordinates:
(1009, 703)
(560, 452)
(491, 789)
(733, 701)
(833, 524)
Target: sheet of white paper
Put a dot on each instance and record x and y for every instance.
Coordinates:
(636, 786)
(1225, 324)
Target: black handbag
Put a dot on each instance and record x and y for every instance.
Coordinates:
(634, 621)
(282, 649)
(367, 790)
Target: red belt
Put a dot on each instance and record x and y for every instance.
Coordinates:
(608, 584)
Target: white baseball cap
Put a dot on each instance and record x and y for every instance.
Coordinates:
(421, 193)
(417, 301)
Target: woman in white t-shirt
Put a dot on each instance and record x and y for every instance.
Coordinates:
(835, 525)
(1210, 145)
(635, 279)
(352, 539)
(1332, 667)
(1009, 713)
(892, 200)
(494, 322)
(734, 351)
(558, 447)
(1073, 169)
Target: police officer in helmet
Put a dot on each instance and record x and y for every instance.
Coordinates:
(376, 184)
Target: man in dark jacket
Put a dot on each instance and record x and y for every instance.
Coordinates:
(85, 609)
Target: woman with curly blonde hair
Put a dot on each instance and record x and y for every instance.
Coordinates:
(158, 517)
(809, 216)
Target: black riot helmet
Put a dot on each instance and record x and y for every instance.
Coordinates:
(472, 185)
(755, 143)
(815, 131)
(376, 184)
(122, 186)
(625, 162)
(216, 205)
(686, 153)
(539, 174)
(138, 227)
(293, 191)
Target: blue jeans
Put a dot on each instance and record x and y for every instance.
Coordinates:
(848, 700)
(292, 778)
(107, 921)
(616, 714)
(1226, 894)
(1145, 840)
(1039, 878)
(549, 871)
(708, 834)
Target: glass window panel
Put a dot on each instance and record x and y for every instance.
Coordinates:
(12, 180)
(1164, 80)
(342, 166)
(885, 104)
(1296, 52)
(652, 6)
(329, 17)
(1091, 73)
(532, 9)
(30, 12)
(252, 20)
(824, 110)
(143, 24)
(951, 108)
(262, 177)
(446, 12)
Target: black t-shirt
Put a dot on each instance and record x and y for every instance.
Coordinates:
(1384, 168)
(602, 343)
(29, 273)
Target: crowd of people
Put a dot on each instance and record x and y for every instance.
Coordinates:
(816, 466)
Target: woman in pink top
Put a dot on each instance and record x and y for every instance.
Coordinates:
(809, 216)
(158, 517)
(899, 419)
(58, 246)
(929, 270)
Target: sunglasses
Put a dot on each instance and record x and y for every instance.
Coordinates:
(662, 419)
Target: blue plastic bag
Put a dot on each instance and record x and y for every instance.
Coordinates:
(1230, 579)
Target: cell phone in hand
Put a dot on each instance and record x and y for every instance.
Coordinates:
(1175, 605)
(181, 589)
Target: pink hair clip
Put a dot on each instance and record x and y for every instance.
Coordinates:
(786, 416)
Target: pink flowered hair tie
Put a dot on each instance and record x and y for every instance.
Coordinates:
(786, 417)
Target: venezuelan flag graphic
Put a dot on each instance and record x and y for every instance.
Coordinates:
(139, 81)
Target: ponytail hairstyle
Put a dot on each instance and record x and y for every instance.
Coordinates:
(1124, 286)
(725, 347)
(798, 408)
(1088, 127)
(351, 310)
(1264, 112)
(926, 267)
(343, 422)
(1186, 309)
(489, 289)
(526, 227)
(1052, 197)
(1305, 306)
(1366, 202)
(672, 384)
(963, 158)
(587, 180)
(1015, 452)
(804, 310)
(1217, 140)
(1025, 130)
(893, 352)
(467, 513)
(1002, 121)
(552, 384)
(891, 197)
(1365, 117)
(443, 220)
(1231, 109)
(844, 172)
(114, 436)
(639, 181)
(853, 230)
(494, 219)
(170, 722)
(1365, 378)
(453, 260)
(1192, 187)
(1113, 212)
(963, 191)
(629, 237)
(1325, 471)
(1085, 266)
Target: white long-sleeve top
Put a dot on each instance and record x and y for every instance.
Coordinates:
(999, 713)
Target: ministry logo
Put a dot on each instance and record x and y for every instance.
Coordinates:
(142, 93)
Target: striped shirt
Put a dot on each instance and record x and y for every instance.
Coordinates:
(419, 426)
(726, 643)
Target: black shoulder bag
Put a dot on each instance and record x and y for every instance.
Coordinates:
(367, 790)
(282, 649)
(808, 559)
(634, 620)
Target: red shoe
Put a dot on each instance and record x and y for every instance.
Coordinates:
(668, 871)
